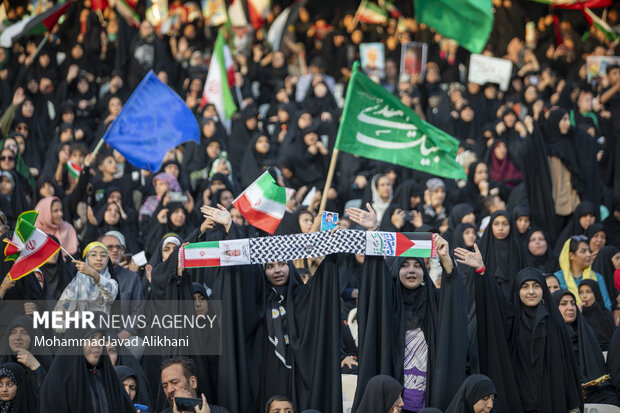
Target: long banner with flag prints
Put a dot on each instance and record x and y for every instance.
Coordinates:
(315, 244)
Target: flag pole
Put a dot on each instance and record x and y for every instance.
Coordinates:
(99, 145)
(328, 181)
(67, 252)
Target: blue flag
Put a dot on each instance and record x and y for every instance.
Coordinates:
(153, 121)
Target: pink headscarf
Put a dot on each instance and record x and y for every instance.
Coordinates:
(64, 232)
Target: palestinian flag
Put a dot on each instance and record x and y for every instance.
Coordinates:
(220, 78)
(30, 247)
(74, 169)
(371, 13)
(600, 24)
(398, 244)
(263, 203)
(216, 253)
(33, 25)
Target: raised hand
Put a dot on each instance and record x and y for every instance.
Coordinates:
(219, 215)
(367, 219)
(469, 258)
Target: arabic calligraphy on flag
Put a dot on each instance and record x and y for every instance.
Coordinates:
(376, 125)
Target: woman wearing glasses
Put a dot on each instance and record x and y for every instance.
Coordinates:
(575, 261)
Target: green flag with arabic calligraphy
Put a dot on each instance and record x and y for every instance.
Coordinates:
(376, 125)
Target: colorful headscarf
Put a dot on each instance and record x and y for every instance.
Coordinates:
(588, 274)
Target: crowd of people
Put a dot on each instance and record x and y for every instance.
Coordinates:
(517, 313)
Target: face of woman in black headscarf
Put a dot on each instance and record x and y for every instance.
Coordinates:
(112, 214)
(262, 145)
(226, 198)
(208, 129)
(552, 283)
(469, 237)
(214, 148)
(277, 273)
(537, 244)
(500, 227)
(587, 220)
(587, 295)
(92, 349)
(523, 224)
(568, 308)
(530, 293)
(598, 241)
(177, 217)
(8, 389)
(411, 273)
(6, 185)
(19, 339)
(481, 173)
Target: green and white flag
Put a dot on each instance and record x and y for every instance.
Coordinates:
(376, 125)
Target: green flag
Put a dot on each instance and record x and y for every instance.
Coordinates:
(469, 22)
(376, 125)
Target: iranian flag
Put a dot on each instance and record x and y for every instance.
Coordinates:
(258, 10)
(74, 169)
(216, 253)
(371, 13)
(33, 25)
(263, 203)
(220, 78)
(30, 247)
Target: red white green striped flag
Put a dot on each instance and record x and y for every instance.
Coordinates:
(371, 13)
(32, 25)
(74, 169)
(30, 247)
(263, 203)
(219, 79)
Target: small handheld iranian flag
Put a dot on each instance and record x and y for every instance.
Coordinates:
(263, 203)
(30, 247)
(74, 169)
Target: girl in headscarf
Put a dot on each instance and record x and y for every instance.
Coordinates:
(502, 251)
(172, 218)
(407, 199)
(572, 163)
(400, 334)
(8, 161)
(538, 252)
(50, 221)
(383, 394)
(19, 345)
(477, 187)
(575, 260)
(82, 378)
(460, 214)
(258, 157)
(243, 129)
(94, 287)
(109, 218)
(12, 199)
(593, 308)
(538, 348)
(476, 395)
(607, 262)
(502, 168)
(22, 395)
(586, 348)
(162, 182)
(522, 220)
(21, 167)
(597, 238)
(381, 189)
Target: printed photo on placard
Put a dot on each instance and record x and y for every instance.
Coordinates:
(413, 59)
(372, 56)
(329, 220)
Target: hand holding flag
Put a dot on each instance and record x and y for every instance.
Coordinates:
(29, 247)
